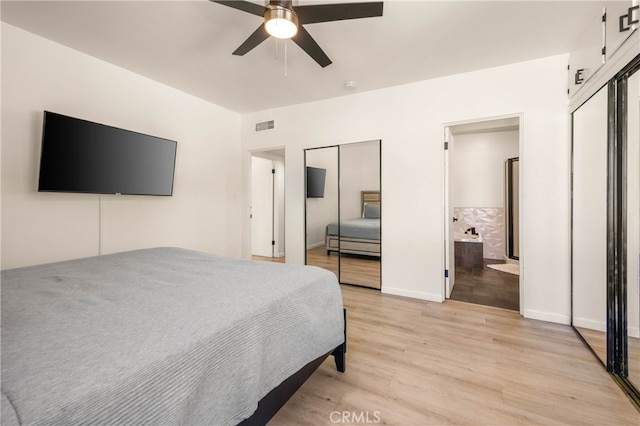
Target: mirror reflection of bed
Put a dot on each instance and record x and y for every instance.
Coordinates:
(357, 241)
(353, 245)
(343, 225)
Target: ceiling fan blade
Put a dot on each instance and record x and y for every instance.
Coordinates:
(245, 6)
(309, 45)
(254, 39)
(337, 12)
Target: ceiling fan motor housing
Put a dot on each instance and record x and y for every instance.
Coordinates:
(287, 4)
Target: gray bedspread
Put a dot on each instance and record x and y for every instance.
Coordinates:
(158, 336)
(363, 228)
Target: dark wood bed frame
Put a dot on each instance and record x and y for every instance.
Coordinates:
(274, 400)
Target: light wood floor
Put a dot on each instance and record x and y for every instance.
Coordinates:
(598, 342)
(358, 270)
(411, 362)
(269, 259)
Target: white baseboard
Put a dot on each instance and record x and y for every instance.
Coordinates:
(314, 245)
(633, 332)
(547, 316)
(432, 297)
(590, 324)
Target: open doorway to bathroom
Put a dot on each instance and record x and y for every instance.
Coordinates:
(482, 249)
(267, 205)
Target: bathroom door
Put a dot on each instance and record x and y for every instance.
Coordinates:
(449, 267)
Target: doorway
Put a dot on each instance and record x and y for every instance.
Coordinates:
(267, 205)
(482, 198)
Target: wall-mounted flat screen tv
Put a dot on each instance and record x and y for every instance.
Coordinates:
(315, 182)
(83, 156)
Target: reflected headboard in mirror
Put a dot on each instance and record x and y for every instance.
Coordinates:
(369, 197)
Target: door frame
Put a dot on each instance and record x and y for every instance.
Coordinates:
(449, 256)
(338, 166)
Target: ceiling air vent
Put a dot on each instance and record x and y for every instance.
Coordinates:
(265, 125)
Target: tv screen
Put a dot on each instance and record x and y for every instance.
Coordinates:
(82, 156)
(315, 182)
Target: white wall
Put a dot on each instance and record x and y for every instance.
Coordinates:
(409, 120)
(478, 169)
(203, 213)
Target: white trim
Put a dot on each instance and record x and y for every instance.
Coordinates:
(432, 297)
(315, 245)
(590, 324)
(633, 332)
(522, 258)
(547, 316)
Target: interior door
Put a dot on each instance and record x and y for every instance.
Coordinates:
(261, 207)
(449, 245)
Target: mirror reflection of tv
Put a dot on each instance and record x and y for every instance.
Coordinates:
(315, 182)
(87, 157)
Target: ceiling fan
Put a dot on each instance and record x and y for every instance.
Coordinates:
(282, 21)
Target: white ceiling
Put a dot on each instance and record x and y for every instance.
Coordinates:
(188, 44)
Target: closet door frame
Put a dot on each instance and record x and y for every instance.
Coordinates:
(617, 362)
(617, 320)
(338, 163)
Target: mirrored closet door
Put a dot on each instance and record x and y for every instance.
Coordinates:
(342, 220)
(589, 222)
(606, 226)
(321, 207)
(360, 207)
(632, 128)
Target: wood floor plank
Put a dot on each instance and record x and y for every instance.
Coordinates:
(411, 362)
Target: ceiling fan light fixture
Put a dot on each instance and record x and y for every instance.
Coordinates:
(281, 22)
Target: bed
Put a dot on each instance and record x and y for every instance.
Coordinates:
(359, 235)
(163, 336)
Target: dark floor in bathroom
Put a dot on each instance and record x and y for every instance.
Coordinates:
(486, 286)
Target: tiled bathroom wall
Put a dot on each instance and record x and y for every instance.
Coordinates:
(489, 223)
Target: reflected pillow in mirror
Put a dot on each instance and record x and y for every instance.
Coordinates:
(371, 211)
